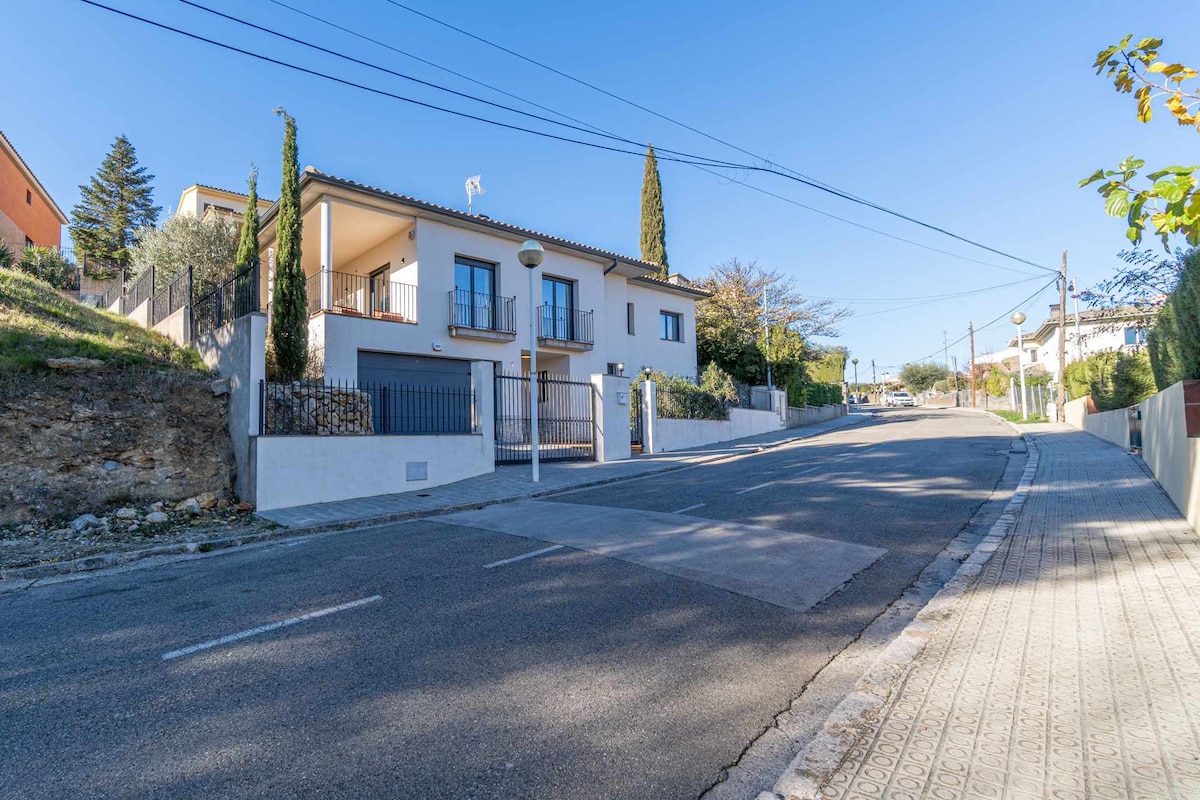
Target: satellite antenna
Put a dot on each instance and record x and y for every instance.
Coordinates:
(473, 188)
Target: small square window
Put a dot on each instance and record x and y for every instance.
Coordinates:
(615, 368)
(670, 326)
(1135, 336)
(28, 197)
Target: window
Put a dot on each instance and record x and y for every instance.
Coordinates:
(1135, 336)
(558, 305)
(28, 197)
(474, 293)
(615, 368)
(629, 318)
(1032, 356)
(669, 326)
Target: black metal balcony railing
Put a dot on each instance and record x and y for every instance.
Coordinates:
(485, 312)
(566, 324)
(362, 295)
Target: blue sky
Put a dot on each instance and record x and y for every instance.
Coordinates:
(979, 118)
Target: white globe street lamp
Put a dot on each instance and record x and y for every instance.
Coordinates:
(1017, 319)
(530, 255)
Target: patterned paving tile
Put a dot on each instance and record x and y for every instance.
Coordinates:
(1072, 668)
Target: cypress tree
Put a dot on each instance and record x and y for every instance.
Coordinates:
(247, 252)
(654, 223)
(289, 309)
(113, 206)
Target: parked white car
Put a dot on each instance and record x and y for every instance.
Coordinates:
(899, 399)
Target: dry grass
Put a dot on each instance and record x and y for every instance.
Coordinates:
(37, 322)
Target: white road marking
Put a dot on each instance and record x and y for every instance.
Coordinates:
(233, 637)
(689, 508)
(810, 469)
(527, 555)
(752, 488)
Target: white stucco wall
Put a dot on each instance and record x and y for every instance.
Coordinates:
(672, 435)
(298, 470)
(1171, 455)
(1112, 426)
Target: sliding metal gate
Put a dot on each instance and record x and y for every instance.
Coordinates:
(565, 412)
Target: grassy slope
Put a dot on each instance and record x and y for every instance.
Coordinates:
(36, 323)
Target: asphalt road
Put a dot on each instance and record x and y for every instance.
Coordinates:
(635, 660)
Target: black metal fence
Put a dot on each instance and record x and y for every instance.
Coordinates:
(565, 324)
(480, 311)
(232, 298)
(139, 292)
(172, 297)
(565, 418)
(305, 408)
(114, 293)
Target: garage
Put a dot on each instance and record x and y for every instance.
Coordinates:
(416, 395)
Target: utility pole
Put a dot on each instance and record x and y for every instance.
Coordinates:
(971, 333)
(1062, 340)
(767, 338)
(874, 384)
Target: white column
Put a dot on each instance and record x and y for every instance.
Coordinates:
(483, 379)
(649, 417)
(611, 421)
(326, 254)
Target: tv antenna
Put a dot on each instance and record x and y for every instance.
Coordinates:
(473, 188)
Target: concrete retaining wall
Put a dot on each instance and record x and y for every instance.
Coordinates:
(1112, 426)
(672, 435)
(812, 414)
(175, 326)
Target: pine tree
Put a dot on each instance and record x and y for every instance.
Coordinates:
(654, 224)
(114, 205)
(289, 309)
(247, 252)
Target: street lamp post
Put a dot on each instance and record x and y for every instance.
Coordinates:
(530, 255)
(854, 361)
(1017, 319)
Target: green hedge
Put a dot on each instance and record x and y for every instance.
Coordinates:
(814, 394)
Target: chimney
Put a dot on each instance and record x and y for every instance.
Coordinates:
(1054, 308)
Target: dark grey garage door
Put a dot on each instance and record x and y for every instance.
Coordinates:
(417, 394)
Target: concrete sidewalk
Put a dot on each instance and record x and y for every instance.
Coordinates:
(512, 482)
(1070, 669)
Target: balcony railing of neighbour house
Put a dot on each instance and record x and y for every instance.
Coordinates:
(231, 299)
(565, 324)
(362, 295)
(484, 312)
(306, 408)
(172, 297)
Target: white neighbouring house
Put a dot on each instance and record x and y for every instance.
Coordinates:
(1098, 331)
(201, 201)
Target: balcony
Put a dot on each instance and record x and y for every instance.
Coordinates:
(482, 316)
(565, 328)
(361, 296)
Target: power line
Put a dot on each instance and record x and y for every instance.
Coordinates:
(601, 130)
(892, 300)
(682, 158)
(942, 299)
(790, 173)
(1024, 302)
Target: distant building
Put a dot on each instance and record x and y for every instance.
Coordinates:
(1103, 330)
(201, 201)
(28, 214)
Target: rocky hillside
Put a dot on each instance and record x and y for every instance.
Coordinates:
(96, 412)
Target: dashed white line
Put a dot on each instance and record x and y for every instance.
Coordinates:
(522, 557)
(283, 623)
(810, 469)
(689, 508)
(752, 488)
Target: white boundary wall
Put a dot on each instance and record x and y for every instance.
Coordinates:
(298, 470)
(671, 435)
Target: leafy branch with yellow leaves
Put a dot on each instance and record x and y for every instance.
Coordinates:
(1171, 204)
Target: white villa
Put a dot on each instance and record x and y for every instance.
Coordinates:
(200, 201)
(1089, 332)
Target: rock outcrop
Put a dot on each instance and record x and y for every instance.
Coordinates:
(85, 442)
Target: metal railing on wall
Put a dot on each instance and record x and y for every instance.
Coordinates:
(172, 297)
(310, 408)
(362, 295)
(234, 297)
(139, 292)
(565, 324)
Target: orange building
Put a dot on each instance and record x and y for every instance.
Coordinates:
(28, 214)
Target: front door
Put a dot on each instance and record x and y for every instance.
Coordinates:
(380, 302)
